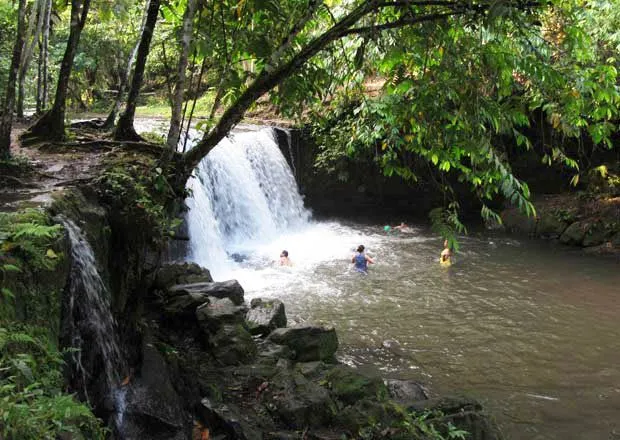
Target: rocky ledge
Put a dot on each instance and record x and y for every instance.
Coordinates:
(212, 367)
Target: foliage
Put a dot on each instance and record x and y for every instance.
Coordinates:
(139, 190)
(32, 403)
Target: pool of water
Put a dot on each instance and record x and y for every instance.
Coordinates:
(530, 329)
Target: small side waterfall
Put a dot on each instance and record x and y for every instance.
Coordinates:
(244, 194)
(90, 329)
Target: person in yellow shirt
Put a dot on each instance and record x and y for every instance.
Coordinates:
(445, 259)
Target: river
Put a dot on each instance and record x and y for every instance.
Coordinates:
(529, 328)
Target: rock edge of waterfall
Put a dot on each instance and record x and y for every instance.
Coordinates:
(199, 362)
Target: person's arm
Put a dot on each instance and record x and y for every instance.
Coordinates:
(353, 259)
(370, 260)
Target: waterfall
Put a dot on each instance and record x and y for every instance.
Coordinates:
(243, 195)
(91, 332)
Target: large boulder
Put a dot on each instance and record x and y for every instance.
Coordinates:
(550, 226)
(574, 234)
(596, 234)
(308, 343)
(406, 391)
(229, 419)
(515, 221)
(230, 289)
(265, 316)
(349, 386)
(181, 273)
(233, 345)
(214, 314)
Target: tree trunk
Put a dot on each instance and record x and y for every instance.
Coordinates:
(124, 80)
(124, 128)
(38, 11)
(44, 55)
(6, 120)
(52, 124)
(179, 88)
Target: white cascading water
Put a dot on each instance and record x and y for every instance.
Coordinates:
(244, 197)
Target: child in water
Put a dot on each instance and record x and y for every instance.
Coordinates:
(361, 260)
(284, 259)
(445, 259)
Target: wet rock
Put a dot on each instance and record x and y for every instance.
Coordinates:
(265, 316)
(184, 304)
(217, 312)
(308, 343)
(230, 289)
(230, 419)
(181, 273)
(233, 345)
(550, 226)
(349, 386)
(406, 391)
(574, 234)
(153, 409)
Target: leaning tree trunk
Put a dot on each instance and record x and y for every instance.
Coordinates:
(52, 124)
(109, 122)
(124, 127)
(179, 88)
(6, 119)
(38, 11)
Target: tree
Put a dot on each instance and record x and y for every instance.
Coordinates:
(111, 119)
(179, 88)
(42, 73)
(6, 120)
(124, 128)
(52, 124)
(37, 15)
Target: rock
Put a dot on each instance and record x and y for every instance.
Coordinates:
(550, 226)
(515, 221)
(226, 289)
(233, 345)
(308, 343)
(270, 353)
(596, 234)
(185, 304)
(228, 418)
(574, 234)
(405, 391)
(349, 386)
(213, 315)
(465, 413)
(153, 409)
(265, 316)
(181, 273)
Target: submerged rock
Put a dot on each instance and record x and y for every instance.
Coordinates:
(406, 391)
(308, 343)
(265, 316)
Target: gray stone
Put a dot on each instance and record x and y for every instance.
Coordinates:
(349, 386)
(406, 391)
(574, 234)
(596, 234)
(265, 316)
(225, 289)
(213, 315)
(233, 345)
(270, 353)
(515, 221)
(308, 343)
(550, 226)
(181, 273)
(230, 419)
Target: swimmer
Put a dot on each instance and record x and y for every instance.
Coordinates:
(361, 260)
(284, 259)
(403, 227)
(445, 259)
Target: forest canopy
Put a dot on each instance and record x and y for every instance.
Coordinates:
(458, 87)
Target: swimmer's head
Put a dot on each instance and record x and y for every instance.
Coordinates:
(284, 254)
(360, 248)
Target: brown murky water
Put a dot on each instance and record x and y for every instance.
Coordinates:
(529, 328)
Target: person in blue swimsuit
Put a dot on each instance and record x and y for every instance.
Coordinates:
(361, 260)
